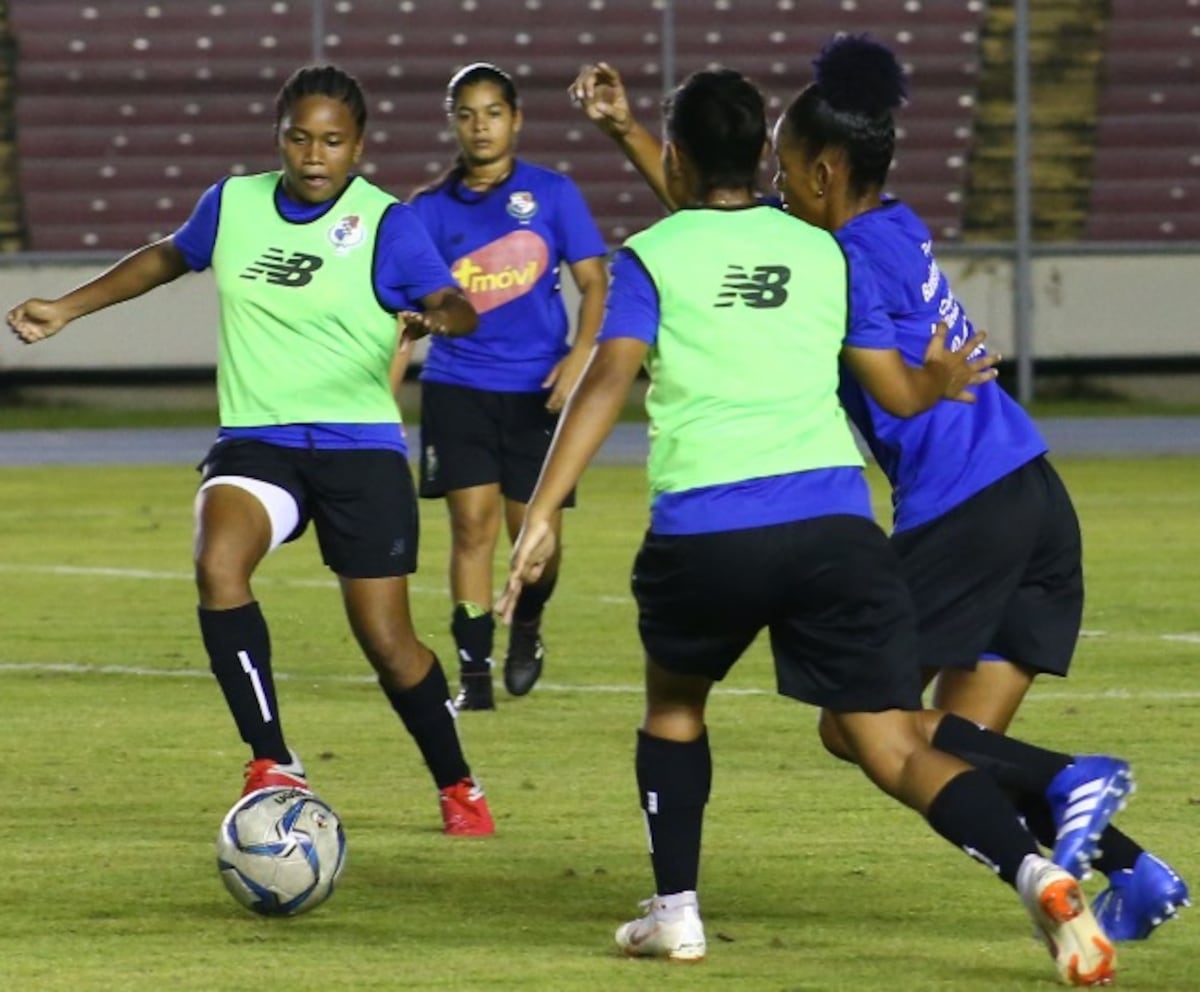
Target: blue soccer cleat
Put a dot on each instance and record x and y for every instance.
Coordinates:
(1140, 898)
(1083, 798)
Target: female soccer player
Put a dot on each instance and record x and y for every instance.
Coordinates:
(760, 517)
(964, 477)
(490, 402)
(313, 267)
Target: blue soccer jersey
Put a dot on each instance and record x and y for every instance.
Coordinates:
(940, 458)
(505, 247)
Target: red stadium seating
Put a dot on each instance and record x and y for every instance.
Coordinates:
(139, 103)
(1146, 170)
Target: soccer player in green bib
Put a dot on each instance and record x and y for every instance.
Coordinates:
(760, 517)
(320, 274)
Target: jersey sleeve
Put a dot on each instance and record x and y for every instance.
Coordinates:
(423, 206)
(197, 236)
(578, 235)
(869, 324)
(408, 265)
(631, 309)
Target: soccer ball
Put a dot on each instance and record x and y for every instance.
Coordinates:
(280, 851)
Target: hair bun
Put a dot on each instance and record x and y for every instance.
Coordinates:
(858, 75)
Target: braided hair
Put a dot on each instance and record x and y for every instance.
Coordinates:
(322, 80)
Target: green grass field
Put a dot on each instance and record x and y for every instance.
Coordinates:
(119, 761)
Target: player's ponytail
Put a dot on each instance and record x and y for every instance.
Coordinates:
(858, 84)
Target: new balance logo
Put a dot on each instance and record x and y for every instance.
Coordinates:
(760, 289)
(295, 270)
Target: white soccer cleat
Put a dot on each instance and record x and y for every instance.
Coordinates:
(1081, 950)
(675, 932)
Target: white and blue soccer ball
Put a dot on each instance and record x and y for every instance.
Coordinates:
(280, 851)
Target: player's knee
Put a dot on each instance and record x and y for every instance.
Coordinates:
(832, 738)
(399, 659)
(222, 576)
(473, 539)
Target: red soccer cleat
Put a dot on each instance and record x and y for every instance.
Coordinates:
(465, 811)
(265, 773)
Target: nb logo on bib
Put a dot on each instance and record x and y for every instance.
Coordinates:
(761, 288)
(295, 270)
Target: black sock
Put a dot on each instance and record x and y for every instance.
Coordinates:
(428, 715)
(239, 653)
(973, 813)
(533, 600)
(1118, 850)
(1035, 811)
(674, 781)
(1020, 767)
(474, 630)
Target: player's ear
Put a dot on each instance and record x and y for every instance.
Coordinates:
(518, 120)
(823, 175)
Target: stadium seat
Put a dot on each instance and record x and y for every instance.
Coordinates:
(1147, 146)
(128, 97)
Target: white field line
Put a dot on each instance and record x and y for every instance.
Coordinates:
(141, 574)
(156, 576)
(71, 668)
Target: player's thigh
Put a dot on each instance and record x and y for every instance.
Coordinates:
(250, 501)
(1040, 624)
(696, 612)
(963, 567)
(460, 438)
(842, 630)
(527, 430)
(364, 509)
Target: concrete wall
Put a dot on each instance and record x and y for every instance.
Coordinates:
(1086, 306)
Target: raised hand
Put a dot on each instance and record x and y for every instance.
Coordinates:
(599, 91)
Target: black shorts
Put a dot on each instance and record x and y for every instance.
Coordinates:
(476, 437)
(999, 575)
(361, 502)
(828, 590)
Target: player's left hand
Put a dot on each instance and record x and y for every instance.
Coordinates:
(418, 324)
(562, 379)
(534, 547)
(967, 365)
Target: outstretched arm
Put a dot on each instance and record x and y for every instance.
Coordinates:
(135, 274)
(599, 91)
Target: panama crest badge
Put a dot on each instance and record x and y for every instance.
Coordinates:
(522, 205)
